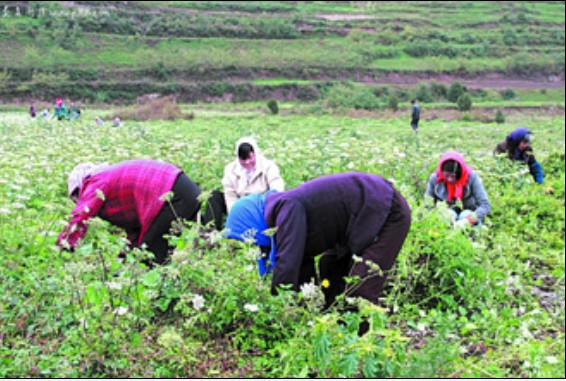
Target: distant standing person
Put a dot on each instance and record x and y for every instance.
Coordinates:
(32, 111)
(415, 115)
(517, 147)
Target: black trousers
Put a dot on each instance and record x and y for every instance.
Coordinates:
(184, 206)
(216, 210)
(383, 252)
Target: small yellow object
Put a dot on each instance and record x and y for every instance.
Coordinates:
(549, 190)
(325, 283)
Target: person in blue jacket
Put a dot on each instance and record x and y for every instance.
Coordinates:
(517, 147)
(336, 216)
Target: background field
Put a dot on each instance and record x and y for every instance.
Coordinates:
(487, 303)
(216, 51)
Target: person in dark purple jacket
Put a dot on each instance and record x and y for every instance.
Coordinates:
(337, 216)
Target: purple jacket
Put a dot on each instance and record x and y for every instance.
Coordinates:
(344, 212)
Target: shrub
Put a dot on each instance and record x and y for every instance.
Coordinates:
(456, 89)
(438, 90)
(348, 96)
(393, 103)
(273, 106)
(464, 102)
(423, 94)
(499, 117)
(508, 94)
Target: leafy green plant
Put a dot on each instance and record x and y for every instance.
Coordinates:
(464, 102)
(273, 106)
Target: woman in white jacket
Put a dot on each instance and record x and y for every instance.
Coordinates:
(250, 172)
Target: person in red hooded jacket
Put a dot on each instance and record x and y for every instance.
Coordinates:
(461, 188)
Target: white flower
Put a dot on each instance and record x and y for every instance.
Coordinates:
(198, 302)
(308, 290)
(114, 285)
(251, 307)
(121, 311)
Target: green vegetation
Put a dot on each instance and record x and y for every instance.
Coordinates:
(161, 46)
(487, 303)
(325, 88)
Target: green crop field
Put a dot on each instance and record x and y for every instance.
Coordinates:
(483, 303)
(325, 87)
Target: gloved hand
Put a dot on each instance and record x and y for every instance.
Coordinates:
(472, 219)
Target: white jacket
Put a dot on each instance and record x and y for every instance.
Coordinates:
(265, 177)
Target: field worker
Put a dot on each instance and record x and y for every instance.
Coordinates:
(517, 146)
(461, 188)
(132, 195)
(75, 111)
(415, 115)
(117, 122)
(250, 172)
(32, 111)
(98, 120)
(339, 215)
(61, 112)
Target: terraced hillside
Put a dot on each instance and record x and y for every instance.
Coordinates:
(221, 51)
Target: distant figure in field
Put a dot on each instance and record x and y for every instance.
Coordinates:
(75, 111)
(32, 111)
(340, 215)
(461, 188)
(98, 120)
(44, 113)
(61, 111)
(517, 147)
(131, 195)
(250, 172)
(415, 115)
(117, 122)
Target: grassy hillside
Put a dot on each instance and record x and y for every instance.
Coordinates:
(108, 51)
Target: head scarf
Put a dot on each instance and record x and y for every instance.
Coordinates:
(513, 140)
(58, 102)
(455, 190)
(246, 221)
(251, 141)
(80, 173)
